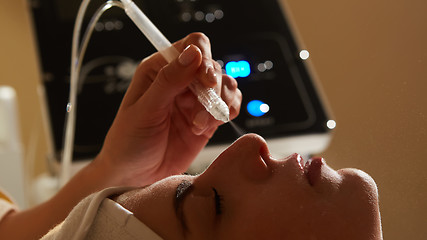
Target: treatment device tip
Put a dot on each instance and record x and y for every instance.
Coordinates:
(207, 97)
(223, 116)
(211, 101)
(216, 107)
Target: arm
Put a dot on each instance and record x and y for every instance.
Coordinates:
(158, 131)
(174, 127)
(35, 222)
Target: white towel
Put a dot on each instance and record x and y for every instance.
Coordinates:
(5, 208)
(98, 217)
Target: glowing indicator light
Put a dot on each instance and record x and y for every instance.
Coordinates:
(210, 17)
(267, 65)
(304, 54)
(220, 62)
(186, 17)
(257, 108)
(199, 15)
(219, 14)
(238, 69)
(331, 124)
(261, 67)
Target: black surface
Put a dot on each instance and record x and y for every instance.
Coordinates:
(255, 31)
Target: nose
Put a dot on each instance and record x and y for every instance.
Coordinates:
(253, 165)
(246, 158)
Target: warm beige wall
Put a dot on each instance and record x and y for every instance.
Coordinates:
(19, 69)
(371, 59)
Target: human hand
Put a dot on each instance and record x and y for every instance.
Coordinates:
(160, 126)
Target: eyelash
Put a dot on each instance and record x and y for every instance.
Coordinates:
(218, 202)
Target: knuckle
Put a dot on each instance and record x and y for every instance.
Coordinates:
(143, 66)
(230, 82)
(239, 96)
(235, 105)
(164, 80)
(217, 66)
(198, 37)
(234, 110)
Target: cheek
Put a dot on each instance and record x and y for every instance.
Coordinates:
(270, 214)
(359, 194)
(359, 205)
(153, 205)
(200, 216)
(350, 213)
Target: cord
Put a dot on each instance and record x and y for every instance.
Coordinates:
(77, 55)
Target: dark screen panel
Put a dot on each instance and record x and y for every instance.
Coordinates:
(250, 36)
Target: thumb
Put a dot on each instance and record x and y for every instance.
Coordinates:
(172, 80)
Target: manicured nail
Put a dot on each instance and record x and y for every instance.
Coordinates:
(197, 131)
(201, 119)
(187, 56)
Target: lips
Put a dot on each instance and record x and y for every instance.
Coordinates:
(312, 169)
(299, 160)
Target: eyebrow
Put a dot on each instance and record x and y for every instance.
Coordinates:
(182, 190)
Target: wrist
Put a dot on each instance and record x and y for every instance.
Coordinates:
(104, 172)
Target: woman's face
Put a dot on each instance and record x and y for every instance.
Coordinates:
(246, 194)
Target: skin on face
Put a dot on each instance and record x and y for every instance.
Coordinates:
(246, 194)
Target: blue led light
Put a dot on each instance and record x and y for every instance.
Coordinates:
(257, 108)
(238, 69)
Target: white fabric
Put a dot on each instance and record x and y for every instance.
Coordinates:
(6, 204)
(97, 217)
(5, 208)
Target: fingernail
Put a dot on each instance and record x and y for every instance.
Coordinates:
(197, 131)
(201, 119)
(187, 56)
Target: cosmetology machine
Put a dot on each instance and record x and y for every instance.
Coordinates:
(252, 40)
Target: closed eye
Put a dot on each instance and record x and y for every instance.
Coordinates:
(218, 202)
(182, 190)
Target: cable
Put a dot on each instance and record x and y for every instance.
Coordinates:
(207, 97)
(86, 37)
(77, 55)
